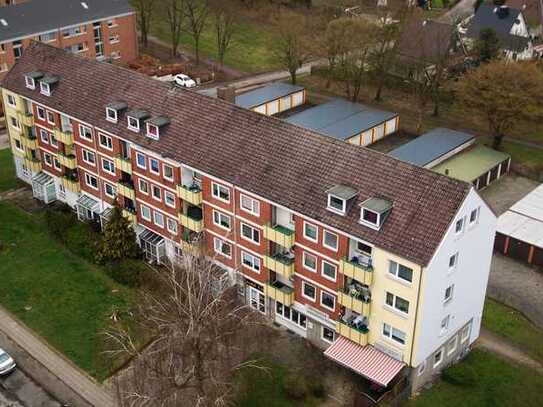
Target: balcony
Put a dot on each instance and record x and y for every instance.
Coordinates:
(26, 119)
(124, 164)
(65, 137)
(130, 215)
(191, 194)
(280, 235)
(192, 220)
(357, 271)
(29, 141)
(126, 189)
(71, 184)
(281, 264)
(357, 304)
(281, 292)
(68, 161)
(355, 334)
(33, 164)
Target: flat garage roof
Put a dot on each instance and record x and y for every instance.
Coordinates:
(340, 118)
(264, 94)
(431, 146)
(471, 164)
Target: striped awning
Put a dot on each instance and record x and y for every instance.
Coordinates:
(41, 178)
(88, 203)
(364, 360)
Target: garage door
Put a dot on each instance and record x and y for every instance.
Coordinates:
(273, 107)
(482, 181)
(538, 257)
(494, 173)
(379, 132)
(297, 99)
(499, 243)
(366, 138)
(285, 103)
(518, 250)
(391, 126)
(504, 166)
(260, 109)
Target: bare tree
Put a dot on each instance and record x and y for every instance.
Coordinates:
(144, 13)
(225, 26)
(175, 11)
(202, 336)
(196, 12)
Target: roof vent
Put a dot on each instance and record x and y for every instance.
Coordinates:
(424, 23)
(502, 11)
(374, 211)
(84, 5)
(338, 197)
(3, 22)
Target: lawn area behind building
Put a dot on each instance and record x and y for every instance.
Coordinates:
(59, 295)
(7, 171)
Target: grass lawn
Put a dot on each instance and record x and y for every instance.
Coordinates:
(513, 326)
(7, 171)
(250, 51)
(529, 156)
(71, 299)
(484, 380)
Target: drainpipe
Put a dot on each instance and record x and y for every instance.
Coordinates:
(416, 318)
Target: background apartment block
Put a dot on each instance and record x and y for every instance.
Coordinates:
(381, 264)
(99, 29)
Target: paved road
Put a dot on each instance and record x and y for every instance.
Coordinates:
(462, 9)
(7, 399)
(21, 390)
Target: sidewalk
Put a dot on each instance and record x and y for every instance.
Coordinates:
(60, 367)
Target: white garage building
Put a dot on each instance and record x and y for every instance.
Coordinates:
(272, 99)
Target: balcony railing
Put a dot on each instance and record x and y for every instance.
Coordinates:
(357, 335)
(281, 264)
(65, 137)
(281, 292)
(280, 235)
(191, 194)
(357, 304)
(130, 215)
(68, 161)
(33, 164)
(192, 220)
(126, 189)
(357, 271)
(71, 184)
(29, 141)
(26, 119)
(124, 164)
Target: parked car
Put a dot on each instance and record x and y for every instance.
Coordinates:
(7, 364)
(184, 81)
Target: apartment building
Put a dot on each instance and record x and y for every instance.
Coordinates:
(97, 29)
(381, 264)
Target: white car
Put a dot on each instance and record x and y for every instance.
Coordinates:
(7, 364)
(184, 81)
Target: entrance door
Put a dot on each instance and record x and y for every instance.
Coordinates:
(257, 300)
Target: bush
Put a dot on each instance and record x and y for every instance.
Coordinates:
(316, 387)
(461, 374)
(58, 220)
(128, 272)
(81, 240)
(296, 386)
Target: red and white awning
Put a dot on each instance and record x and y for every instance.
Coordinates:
(364, 360)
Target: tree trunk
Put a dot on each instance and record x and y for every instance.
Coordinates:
(497, 142)
(436, 107)
(377, 97)
(292, 72)
(197, 49)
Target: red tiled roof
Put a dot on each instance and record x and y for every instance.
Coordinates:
(283, 163)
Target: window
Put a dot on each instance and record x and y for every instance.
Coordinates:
(453, 261)
(310, 232)
(111, 23)
(110, 190)
(41, 112)
(50, 117)
(397, 303)
(11, 101)
(459, 225)
(140, 161)
(221, 220)
(157, 193)
(171, 225)
(336, 204)
(169, 199)
(394, 334)
(85, 132)
(445, 324)
(421, 368)
(250, 205)
(145, 212)
(111, 115)
(45, 89)
(464, 335)
(152, 131)
(327, 334)
(71, 32)
(222, 247)
(330, 240)
(291, 314)
(158, 219)
(220, 192)
(309, 291)
(451, 346)
(310, 262)
(329, 271)
(473, 216)
(17, 49)
(30, 82)
(153, 166)
(15, 123)
(44, 135)
(143, 186)
(47, 158)
(88, 157)
(57, 164)
(91, 181)
(167, 172)
(106, 141)
(370, 217)
(328, 300)
(250, 233)
(18, 144)
(114, 38)
(449, 291)
(400, 271)
(108, 166)
(250, 261)
(438, 357)
(54, 141)
(133, 124)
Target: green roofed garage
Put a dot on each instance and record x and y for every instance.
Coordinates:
(479, 165)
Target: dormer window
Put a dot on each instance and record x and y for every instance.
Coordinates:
(113, 110)
(154, 125)
(47, 83)
(374, 211)
(338, 197)
(45, 89)
(30, 79)
(134, 119)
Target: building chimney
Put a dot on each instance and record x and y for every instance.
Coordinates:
(227, 93)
